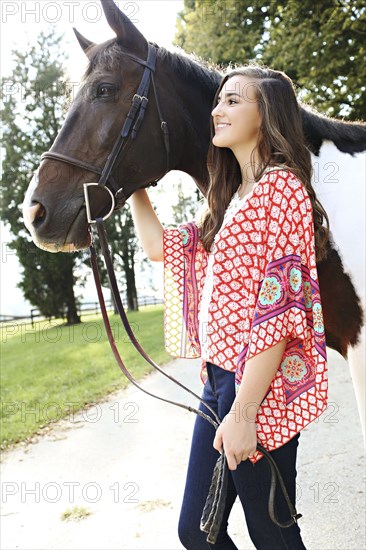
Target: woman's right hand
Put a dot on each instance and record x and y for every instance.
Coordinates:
(148, 227)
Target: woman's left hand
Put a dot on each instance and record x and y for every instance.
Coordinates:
(238, 437)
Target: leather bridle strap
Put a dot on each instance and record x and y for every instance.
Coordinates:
(72, 161)
(129, 130)
(137, 109)
(215, 504)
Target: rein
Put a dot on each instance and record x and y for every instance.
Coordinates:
(215, 503)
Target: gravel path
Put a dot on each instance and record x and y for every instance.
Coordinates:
(124, 462)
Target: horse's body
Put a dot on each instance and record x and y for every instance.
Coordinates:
(54, 207)
(345, 206)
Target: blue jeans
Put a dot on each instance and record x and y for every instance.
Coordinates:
(251, 482)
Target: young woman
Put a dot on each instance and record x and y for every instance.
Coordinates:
(242, 292)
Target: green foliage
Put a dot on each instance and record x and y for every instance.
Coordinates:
(221, 31)
(34, 101)
(321, 46)
(187, 204)
(124, 246)
(68, 367)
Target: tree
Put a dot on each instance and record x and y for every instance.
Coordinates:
(221, 31)
(124, 246)
(187, 204)
(324, 53)
(319, 45)
(34, 100)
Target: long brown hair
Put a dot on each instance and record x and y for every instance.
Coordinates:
(281, 143)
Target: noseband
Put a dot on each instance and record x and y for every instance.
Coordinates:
(129, 130)
(215, 504)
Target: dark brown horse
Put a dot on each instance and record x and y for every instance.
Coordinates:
(54, 208)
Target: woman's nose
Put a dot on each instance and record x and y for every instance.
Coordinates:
(216, 110)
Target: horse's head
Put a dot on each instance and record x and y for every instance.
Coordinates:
(54, 207)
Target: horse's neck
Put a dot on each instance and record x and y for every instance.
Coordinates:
(196, 120)
(193, 163)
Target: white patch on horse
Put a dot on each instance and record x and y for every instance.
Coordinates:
(340, 183)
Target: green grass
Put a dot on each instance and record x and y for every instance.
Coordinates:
(50, 371)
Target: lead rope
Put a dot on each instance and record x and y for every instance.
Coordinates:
(215, 503)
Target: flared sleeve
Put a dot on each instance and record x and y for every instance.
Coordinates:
(287, 304)
(184, 261)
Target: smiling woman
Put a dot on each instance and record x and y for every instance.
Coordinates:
(242, 293)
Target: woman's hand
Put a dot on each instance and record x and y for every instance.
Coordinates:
(238, 432)
(238, 436)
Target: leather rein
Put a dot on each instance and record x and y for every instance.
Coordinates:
(215, 503)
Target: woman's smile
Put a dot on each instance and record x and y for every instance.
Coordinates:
(221, 125)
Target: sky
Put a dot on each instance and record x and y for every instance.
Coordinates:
(21, 22)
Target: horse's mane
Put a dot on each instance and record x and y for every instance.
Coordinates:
(108, 56)
(349, 137)
(204, 73)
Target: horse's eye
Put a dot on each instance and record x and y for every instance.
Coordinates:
(106, 91)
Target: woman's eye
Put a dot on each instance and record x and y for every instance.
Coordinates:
(232, 101)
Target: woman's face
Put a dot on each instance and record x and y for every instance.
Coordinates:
(236, 116)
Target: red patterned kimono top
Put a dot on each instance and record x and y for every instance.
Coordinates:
(258, 286)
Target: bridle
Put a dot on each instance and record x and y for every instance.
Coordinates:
(215, 503)
(129, 130)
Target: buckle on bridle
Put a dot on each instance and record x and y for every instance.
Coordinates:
(87, 202)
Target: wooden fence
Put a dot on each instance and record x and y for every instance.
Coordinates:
(85, 308)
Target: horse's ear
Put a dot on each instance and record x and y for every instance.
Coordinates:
(125, 30)
(84, 42)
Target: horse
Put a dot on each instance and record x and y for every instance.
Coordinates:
(54, 207)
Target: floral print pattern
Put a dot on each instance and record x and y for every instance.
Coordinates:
(270, 291)
(293, 368)
(318, 318)
(308, 294)
(185, 236)
(295, 279)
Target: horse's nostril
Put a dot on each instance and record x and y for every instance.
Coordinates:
(36, 213)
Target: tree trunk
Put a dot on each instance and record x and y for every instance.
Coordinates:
(72, 316)
(131, 292)
(129, 268)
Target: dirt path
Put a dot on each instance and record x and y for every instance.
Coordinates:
(124, 461)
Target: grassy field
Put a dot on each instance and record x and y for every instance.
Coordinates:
(50, 371)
